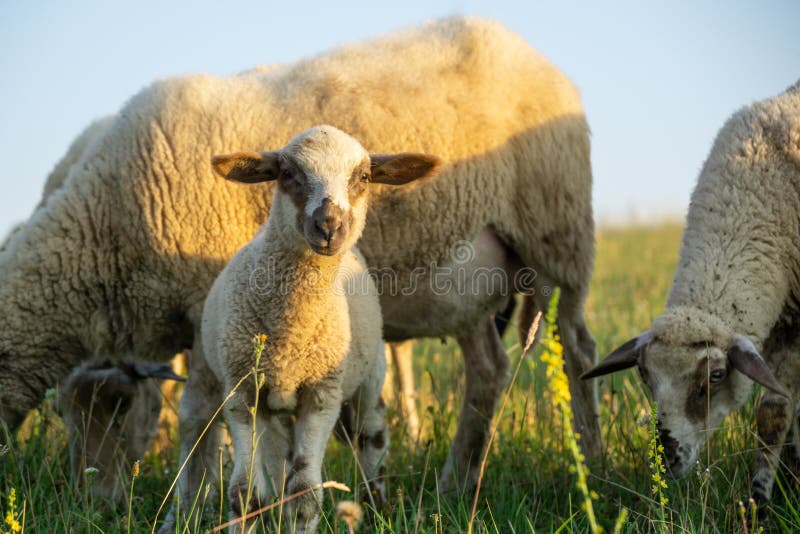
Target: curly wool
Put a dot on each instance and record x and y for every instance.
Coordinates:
(685, 324)
(739, 260)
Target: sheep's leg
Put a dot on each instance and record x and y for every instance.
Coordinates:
(201, 397)
(402, 355)
(486, 367)
(317, 413)
(249, 443)
(580, 356)
(774, 418)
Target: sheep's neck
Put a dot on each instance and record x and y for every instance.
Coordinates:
(727, 268)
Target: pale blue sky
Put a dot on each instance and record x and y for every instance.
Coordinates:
(657, 79)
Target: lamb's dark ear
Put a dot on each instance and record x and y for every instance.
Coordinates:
(399, 169)
(624, 357)
(744, 357)
(247, 167)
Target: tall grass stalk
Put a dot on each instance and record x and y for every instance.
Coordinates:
(134, 474)
(553, 357)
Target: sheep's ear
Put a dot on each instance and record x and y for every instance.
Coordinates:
(744, 357)
(624, 357)
(400, 169)
(156, 370)
(247, 167)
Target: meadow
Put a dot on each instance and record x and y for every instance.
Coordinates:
(530, 482)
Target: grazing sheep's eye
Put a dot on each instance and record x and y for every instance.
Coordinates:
(365, 177)
(717, 376)
(286, 175)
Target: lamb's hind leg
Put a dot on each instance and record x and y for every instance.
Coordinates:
(486, 369)
(373, 435)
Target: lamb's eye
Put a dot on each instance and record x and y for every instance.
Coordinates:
(286, 174)
(365, 177)
(716, 376)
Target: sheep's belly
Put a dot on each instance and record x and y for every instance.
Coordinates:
(444, 299)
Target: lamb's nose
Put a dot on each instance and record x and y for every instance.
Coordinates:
(328, 226)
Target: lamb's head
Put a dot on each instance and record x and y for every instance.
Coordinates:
(698, 372)
(323, 176)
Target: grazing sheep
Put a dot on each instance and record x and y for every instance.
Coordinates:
(111, 413)
(120, 259)
(735, 295)
(302, 281)
(110, 410)
(80, 147)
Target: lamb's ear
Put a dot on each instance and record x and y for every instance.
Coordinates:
(247, 167)
(624, 357)
(744, 357)
(400, 169)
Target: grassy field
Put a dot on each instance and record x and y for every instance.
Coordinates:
(529, 484)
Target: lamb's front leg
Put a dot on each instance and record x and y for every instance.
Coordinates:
(774, 418)
(248, 489)
(317, 412)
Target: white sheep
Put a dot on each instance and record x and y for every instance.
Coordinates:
(110, 408)
(120, 259)
(302, 281)
(734, 296)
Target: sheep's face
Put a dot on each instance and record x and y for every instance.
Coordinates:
(323, 176)
(695, 390)
(695, 384)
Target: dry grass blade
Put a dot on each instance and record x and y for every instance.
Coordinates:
(528, 343)
(325, 485)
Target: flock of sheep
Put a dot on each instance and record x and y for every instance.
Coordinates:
(396, 154)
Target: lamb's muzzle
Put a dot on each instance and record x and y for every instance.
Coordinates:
(326, 228)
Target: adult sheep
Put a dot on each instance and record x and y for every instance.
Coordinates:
(735, 295)
(120, 259)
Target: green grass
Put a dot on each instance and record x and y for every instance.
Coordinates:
(528, 485)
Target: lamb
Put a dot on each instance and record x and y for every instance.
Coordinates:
(302, 281)
(735, 294)
(120, 259)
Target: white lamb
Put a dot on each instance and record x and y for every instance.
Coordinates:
(302, 282)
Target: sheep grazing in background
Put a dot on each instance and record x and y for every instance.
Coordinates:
(120, 259)
(302, 281)
(735, 294)
(111, 412)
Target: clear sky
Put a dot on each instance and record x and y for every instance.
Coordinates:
(658, 78)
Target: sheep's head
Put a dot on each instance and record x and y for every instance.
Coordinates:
(698, 372)
(323, 176)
